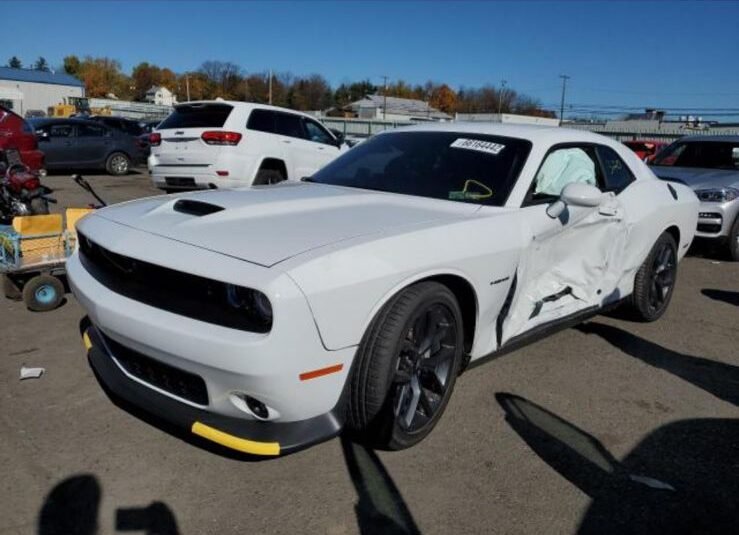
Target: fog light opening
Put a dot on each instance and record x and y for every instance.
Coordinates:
(258, 408)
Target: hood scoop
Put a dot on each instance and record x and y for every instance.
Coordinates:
(196, 208)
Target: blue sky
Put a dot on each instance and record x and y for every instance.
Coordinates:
(669, 54)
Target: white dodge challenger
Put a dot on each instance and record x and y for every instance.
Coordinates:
(269, 319)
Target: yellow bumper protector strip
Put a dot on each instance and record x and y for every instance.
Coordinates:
(235, 443)
(86, 341)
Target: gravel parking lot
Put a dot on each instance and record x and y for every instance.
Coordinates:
(611, 427)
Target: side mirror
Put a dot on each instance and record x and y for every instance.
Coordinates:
(575, 194)
(581, 194)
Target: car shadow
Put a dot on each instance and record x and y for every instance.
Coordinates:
(681, 478)
(381, 508)
(71, 508)
(725, 296)
(717, 378)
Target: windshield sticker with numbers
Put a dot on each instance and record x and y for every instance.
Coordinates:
(477, 144)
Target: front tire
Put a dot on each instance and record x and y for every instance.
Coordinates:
(117, 164)
(406, 367)
(655, 281)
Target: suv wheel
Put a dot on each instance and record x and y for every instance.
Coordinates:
(117, 164)
(734, 240)
(268, 176)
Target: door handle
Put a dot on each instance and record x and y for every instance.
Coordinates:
(321, 148)
(286, 141)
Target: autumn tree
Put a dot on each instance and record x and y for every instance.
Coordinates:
(225, 77)
(103, 76)
(443, 98)
(14, 63)
(348, 93)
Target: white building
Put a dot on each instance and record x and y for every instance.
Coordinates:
(398, 109)
(25, 90)
(161, 95)
(510, 118)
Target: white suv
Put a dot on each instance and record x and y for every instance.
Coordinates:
(223, 144)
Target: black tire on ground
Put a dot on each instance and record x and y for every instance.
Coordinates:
(11, 290)
(268, 176)
(406, 367)
(43, 292)
(117, 164)
(39, 206)
(655, 281)
(734, 241)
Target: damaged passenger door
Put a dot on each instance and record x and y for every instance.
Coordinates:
(576, 234)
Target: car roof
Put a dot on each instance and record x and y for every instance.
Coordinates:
(245, 105)
(52, 120)
(551, 135)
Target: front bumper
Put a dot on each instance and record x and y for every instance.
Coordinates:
(715, 219)
(250, 437)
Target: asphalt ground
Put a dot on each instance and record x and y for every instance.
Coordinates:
(610, 427)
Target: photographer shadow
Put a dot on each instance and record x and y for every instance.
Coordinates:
(71, 508)
(681, 478)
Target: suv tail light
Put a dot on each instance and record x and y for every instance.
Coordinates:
(155, 139)
(221, 138)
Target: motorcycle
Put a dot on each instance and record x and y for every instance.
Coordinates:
(21, 191)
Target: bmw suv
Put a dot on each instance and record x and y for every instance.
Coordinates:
(709, 165)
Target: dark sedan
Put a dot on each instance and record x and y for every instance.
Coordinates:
(85, 144)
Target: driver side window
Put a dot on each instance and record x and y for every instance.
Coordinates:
(564, 166)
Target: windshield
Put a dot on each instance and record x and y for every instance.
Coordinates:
(703, 154)
(452, 166)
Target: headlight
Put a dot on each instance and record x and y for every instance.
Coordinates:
(717, 194)
(251, 302)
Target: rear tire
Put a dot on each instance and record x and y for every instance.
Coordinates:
(268, 176)
(117, 164)
(655, 281)
(11, 290)
(406, 367)
(43, 293)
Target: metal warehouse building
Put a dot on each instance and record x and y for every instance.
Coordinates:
(25, 89)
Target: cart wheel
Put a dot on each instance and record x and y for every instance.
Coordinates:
(43, 293)
(11, 290)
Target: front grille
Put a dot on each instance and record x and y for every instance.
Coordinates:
(181, 293)
(177, 382)
(709, 228)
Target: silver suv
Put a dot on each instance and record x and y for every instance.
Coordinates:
(709, 165)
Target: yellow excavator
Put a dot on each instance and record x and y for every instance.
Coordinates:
(76, 106)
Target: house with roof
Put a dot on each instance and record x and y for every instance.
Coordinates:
(160, 95)
(398, 109)
(28, 90)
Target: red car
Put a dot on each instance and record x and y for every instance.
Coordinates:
(17, 133)
(646, 150)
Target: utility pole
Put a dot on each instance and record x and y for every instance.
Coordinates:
(500, 99)
(187, 86)
(562, 103)
(270, 87)
(384, 97)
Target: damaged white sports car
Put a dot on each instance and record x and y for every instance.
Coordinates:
(269, 319)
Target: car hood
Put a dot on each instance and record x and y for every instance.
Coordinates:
(266, 225)
(698, 178)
